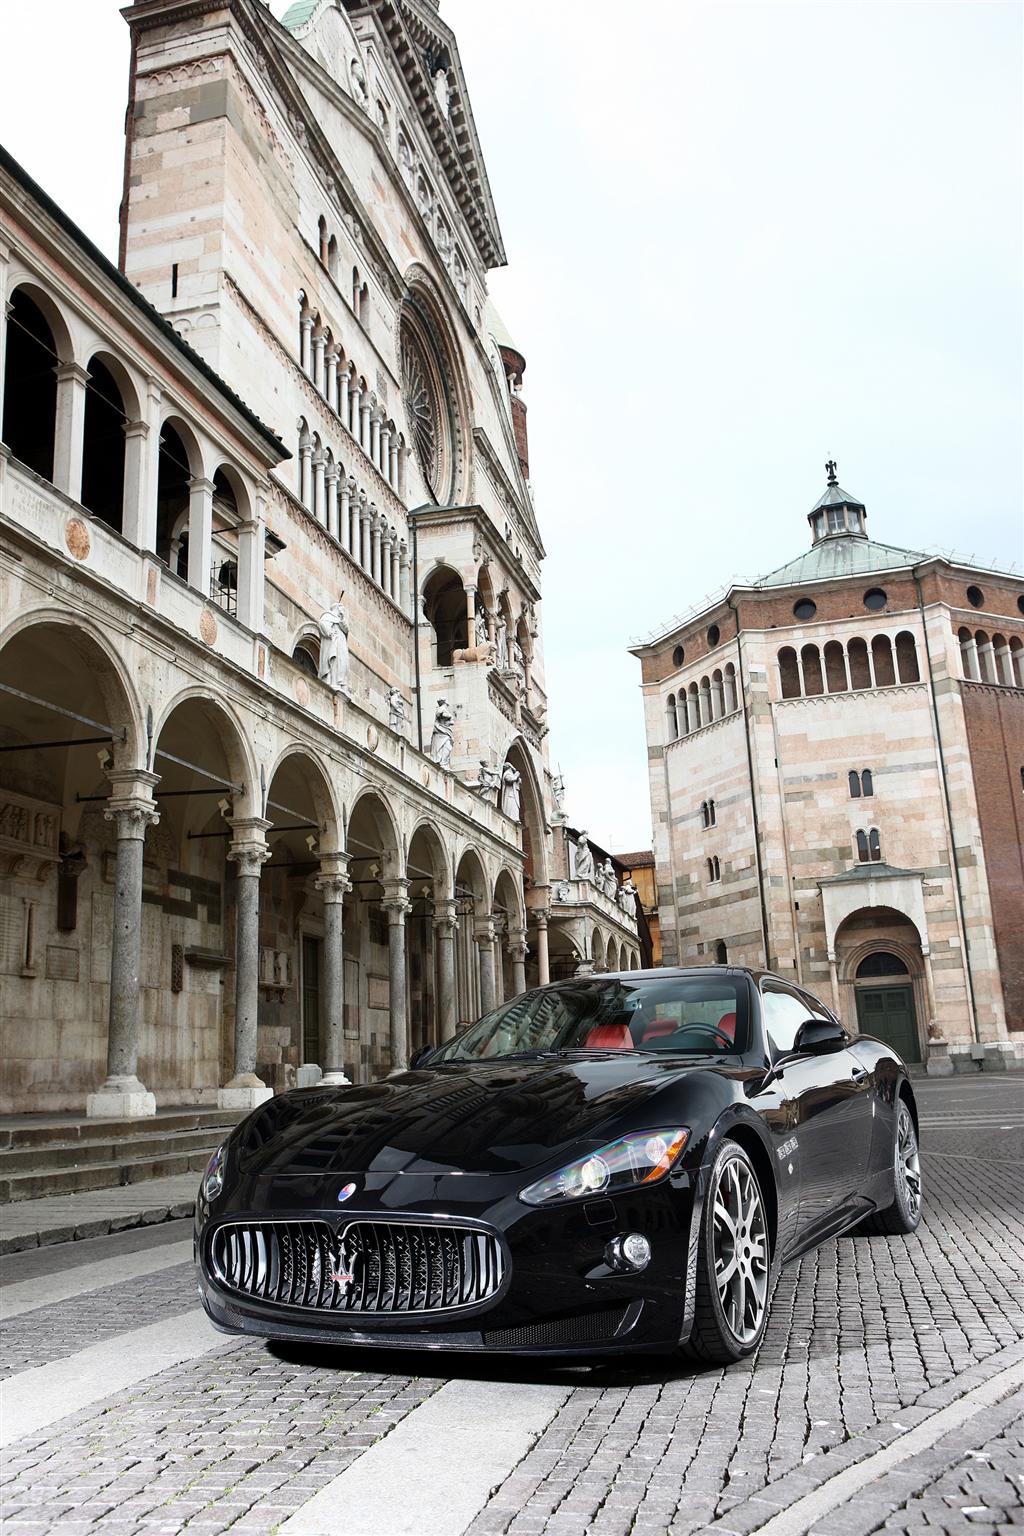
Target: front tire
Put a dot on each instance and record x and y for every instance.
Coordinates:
(733, 1263)
(904, 1214)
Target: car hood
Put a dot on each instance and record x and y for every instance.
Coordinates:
(480, 1118)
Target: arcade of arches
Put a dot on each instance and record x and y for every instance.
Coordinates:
(193, 905)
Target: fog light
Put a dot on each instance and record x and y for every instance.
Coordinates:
(631, 1251)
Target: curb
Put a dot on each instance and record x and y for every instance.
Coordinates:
(97, 1226)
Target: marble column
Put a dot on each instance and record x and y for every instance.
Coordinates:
(445, 927)
(484, 939)
(69, 430)
(364, 425)
(200, 533)
(306, 472)
(375, 537)
(333, 884)
(346, 487)
(251, 552)
(365, 516)
(393, 466)
(517, 950)
(305, 348)
(470, 615)
(319, 342)
(249, 852)
(385, 451)
(396, 904)
(136, 440)
(355, 396)
(131, 809)
(343, 405)
(331, 479)
(375, 438)
(385, 560)
(396, 571)
(331, 384)
(543, 964)
(404, 568)
(319, 499)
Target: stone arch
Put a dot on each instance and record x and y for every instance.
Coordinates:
(471, 879)
(532, 821)
(598, 952)
(371, 817)
(423, 316)
(179, 461)
(313, 794)
(59, 322)
(870, 930)
(37, 343)
(207, 732)
(508, 899)
(433, 855)
(443, 598)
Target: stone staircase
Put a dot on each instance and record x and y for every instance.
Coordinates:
(42, 1155)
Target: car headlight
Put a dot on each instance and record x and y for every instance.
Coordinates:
(641, 1159)
(216, 1168)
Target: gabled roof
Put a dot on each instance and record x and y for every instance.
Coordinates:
(838, 556)
(870, 872)
(423, 43)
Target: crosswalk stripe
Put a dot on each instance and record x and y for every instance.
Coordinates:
(28, 1295)
(36, 1399)
(393, 1489)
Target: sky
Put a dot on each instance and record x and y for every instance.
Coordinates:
(742, 239)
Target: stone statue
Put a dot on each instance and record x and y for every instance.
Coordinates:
(480, 627)
(558, 793)
(334, 647)
(501, 641)
(396, 711)
(607, 881)
(490, 778)
(627, 896)
(584, 859)
(511, 792)
(442, 90)
(560, 891)
(442, 739)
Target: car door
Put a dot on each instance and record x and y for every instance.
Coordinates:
(821, 1092)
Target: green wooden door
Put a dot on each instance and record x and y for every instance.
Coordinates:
(887, 1013)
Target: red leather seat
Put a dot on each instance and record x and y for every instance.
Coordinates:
(657, 1029)
(727, 1024)
(609, 1037)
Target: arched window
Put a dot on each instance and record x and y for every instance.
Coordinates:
(731, 702)
(867, 783)
(306, 655)
(705, 701)
(670, 717)
(906, 658)
(332, 257)
(693, 719)
(986, 660)
(721, 953)
(968, 655)
(881, 656)
(172, 501)
(862, 846)
(717, 867)
(103, 446)
(717, 696)
(1004, 666)
(789, 673)
(835, 667)
(712, 819)
(874, 845)
(810, 658)
(854, 785)
(444, 605)
(860, 673)
(881, 963)
(710, 869)
(322, 235)
(704, 814)
(1017, 660)
(30, 385)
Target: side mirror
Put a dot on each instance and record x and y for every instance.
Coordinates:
(817, 1037)
(421, 1057)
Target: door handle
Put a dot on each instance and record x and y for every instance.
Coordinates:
(859, 1074)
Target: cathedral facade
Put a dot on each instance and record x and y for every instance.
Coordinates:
(836, 758)
(275, 797)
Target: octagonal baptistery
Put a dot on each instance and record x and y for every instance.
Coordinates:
(820, 741)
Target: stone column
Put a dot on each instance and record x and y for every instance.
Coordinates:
(543, 964)
(445, 928)
(249, 852)
(375, 532)
(385, 560)
(385, 451)
(331, 385)
(251, 549)
(305, 333)
(346, 487)
(396, 904)
(404, 568)
(200, 533)
(133, 507)
(69, 433)
(396, 571)
(355, 396)
(5, 314)
(319, 342)
(364, 425)
(517, 950)
(319, 499)
(331, 478)
(343, 405)
(470, 615)
(333, 884)
(131, 810)
(484, 938)
(306, 472)
(375, 438)
(393, 468)
(364, 540)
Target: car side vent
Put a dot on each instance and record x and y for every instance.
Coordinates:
(581, 1328)
(367, 1267)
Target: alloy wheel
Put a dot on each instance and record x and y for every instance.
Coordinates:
(908, 1162)
(740, 1244)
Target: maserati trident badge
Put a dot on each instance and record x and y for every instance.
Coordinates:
(346, 1192)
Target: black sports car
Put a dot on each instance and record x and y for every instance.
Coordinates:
(610, 1164)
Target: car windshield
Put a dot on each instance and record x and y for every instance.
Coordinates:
(671, 1015)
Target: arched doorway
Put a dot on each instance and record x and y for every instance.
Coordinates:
(427, 869)
(885, 1003)
(474, 950)
(375, 970)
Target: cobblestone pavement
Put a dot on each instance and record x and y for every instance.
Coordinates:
(871, 1341)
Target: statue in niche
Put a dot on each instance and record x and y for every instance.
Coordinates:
(627, 896)
(584, 859)
(558, 791)
(501, 641)
(511, 792)
(444, 241)
(405, 160)
(396, 711)
(334, 647)
(360, 90)
(443, 90)
(480, 627)
(607, 881)
(489, 780)
(442, 738)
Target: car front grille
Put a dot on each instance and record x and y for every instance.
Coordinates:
(368, 1267)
